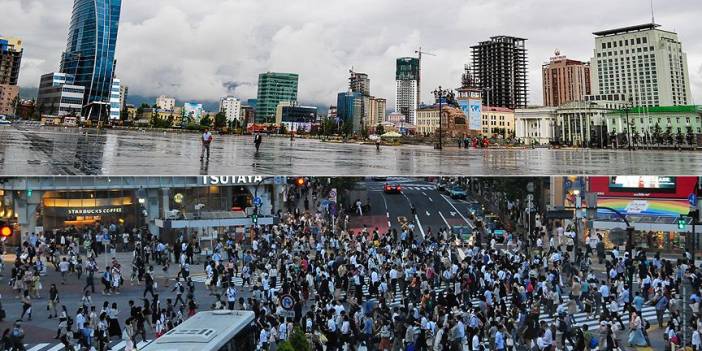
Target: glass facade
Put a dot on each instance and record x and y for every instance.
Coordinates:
(272, 89)
(90, 51)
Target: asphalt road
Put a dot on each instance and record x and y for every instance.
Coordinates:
(434, 210)
(30, 149)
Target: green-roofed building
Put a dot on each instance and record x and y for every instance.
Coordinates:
(648, 122)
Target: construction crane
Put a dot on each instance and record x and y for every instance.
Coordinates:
(419, 78)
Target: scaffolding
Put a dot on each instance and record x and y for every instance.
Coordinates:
(500, 69)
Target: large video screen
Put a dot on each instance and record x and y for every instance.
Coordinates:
(642, 184)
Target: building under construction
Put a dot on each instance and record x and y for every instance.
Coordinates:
(500, 70)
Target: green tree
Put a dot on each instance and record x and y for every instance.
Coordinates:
(379, 129)
(298, 340)
(220, 120)
(205, 121)
(364, 132)
(657, 133)
(689, 135)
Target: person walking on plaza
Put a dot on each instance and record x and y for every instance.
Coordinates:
(206, 140)
(258, 139)
(53, 301)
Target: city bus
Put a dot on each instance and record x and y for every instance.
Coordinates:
(221, 330)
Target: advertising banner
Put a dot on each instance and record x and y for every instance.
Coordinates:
(646, 207)
(472, 109)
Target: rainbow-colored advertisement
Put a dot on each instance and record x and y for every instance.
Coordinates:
(646, 207)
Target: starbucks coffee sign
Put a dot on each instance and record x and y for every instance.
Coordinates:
(231, 180)
(92, 211)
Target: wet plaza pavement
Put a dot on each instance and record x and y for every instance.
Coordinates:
(34, 150)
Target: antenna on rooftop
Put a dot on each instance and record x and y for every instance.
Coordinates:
(653, 14)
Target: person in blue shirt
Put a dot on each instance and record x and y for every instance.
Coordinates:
(638, 302)
(661, 306)
(499, 339)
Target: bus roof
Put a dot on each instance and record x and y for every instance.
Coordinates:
(205, 328)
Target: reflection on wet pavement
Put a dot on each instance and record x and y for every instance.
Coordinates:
(26, 150)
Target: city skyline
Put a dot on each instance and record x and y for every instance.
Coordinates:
(306, 44)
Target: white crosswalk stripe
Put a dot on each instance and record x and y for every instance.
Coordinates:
(58, 347)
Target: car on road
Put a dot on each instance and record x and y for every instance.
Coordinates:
(457, 192)
(440, 185)
(392, 188)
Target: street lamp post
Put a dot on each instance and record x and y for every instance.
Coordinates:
(440, 94)
(629, 106)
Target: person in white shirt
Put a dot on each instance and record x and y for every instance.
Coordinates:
(206, 140)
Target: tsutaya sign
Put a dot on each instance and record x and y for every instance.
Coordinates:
(230, 180)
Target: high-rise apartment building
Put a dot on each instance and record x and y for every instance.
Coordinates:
(645, 63)
(10, 59)
(500, 70)
(90, 51)
(407, 80)
(565, 80)
(377, 113)
(272, 89)
(231, 107)
(115, 100)
(59, 95)
(166, 103)
(359, 83)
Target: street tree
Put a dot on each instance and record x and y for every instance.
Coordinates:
(205, 121)
(379, 129)
(220, 120)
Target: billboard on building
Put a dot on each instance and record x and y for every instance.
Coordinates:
(472, 109)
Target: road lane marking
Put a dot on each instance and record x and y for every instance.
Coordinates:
(120, 345)
(444, 218)
(57, 347)
(459, 212)
(38, 347)
(453, 214)
(419, 224)
(427, 213)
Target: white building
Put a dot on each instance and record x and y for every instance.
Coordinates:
(643, 62)
(231, 107)
(406, 99)
(166, 103)
(535, 124)
(115, 100)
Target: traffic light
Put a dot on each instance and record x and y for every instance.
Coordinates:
(29, 192)
(682, 223)
(5, 230)
(300, 182)
(254, 216)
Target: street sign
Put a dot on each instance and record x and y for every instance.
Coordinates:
(324, 203)
(692, 199)
(287, 302)
(258, 202)
(279, 180)
(332, 195)
(530, 187)
(530, 197)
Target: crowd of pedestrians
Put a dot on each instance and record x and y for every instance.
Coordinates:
(371, 290)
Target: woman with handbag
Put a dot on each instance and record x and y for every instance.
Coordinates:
(636, 337)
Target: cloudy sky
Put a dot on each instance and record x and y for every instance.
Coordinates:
(205, 49)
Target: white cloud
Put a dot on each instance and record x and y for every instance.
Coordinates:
(195, 50)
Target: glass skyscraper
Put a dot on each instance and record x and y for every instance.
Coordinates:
(272, 89)
(90, 51)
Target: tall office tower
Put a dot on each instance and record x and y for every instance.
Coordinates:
(115, 100)
(565, 80)
(407, 79)
(272, 89)
(500, 69)
(90, 51)
(644, 63)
